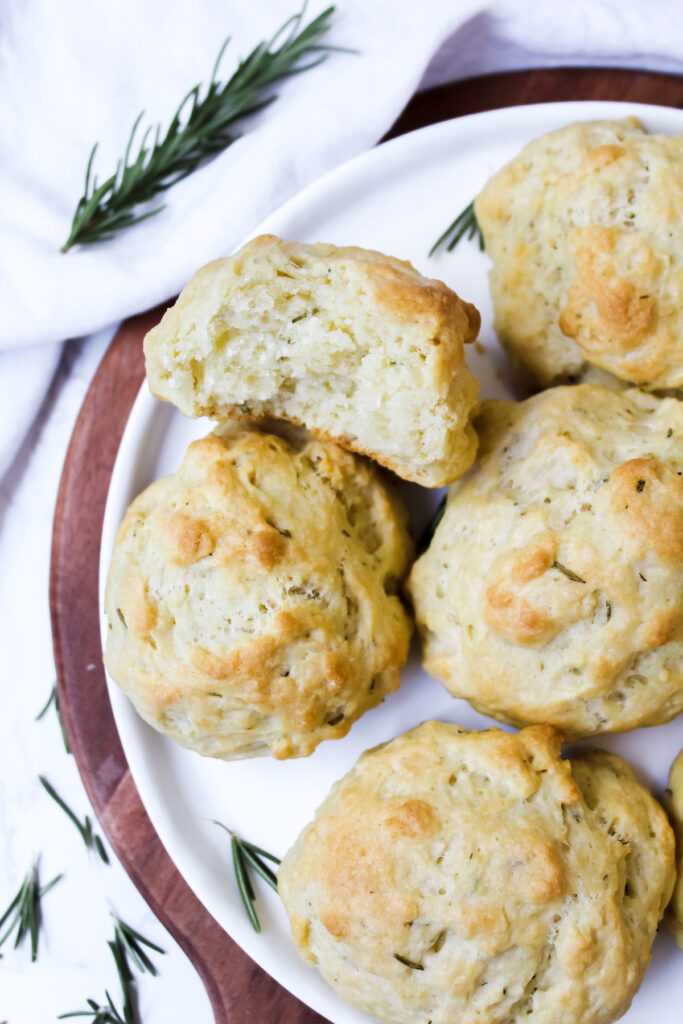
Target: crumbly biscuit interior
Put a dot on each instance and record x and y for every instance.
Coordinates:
(348, 346)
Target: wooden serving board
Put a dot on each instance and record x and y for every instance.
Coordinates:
(232, 980)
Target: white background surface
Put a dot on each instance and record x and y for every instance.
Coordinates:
(268, 802)
(64, 76)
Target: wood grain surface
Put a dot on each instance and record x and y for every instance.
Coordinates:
(232, 980)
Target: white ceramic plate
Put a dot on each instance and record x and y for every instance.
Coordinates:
(397, 198)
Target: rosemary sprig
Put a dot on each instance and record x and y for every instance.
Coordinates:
(125, 946)
(465, 223)
(98, 1014)
(89, 837)
(126, 980)
(430, 529)
(244, 856)
(129, 943)
(53, 699)
(200, 129)
(23, 913)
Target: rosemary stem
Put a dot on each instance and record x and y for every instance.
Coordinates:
(202, 126)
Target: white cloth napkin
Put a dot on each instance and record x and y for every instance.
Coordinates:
(76, 72)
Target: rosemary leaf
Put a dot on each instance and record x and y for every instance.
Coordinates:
(244, 885)
(99, 847)
(125, 980)
(430, 529)
(465, 223)
(260, 852)
(201, 127)
(53, 699)
(99, 1014)
(408, 963)
(23, 913)
(244, 856)
(259, 867)
(90, 838)
(125, 946)
(567, 572)
(131, 942)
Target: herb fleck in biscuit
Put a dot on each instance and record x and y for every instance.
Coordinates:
(478, 878)
(252, 599)
(675, 914)
(355, 345)
(584, 230)
(552, 590)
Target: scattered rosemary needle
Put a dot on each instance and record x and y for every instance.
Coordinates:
(408, 963)
(465, 223)
(99, 1014)
(125, 946)
(118, 951)
(130, 944)
(53, 699)
(89, 837)
(430, 529)
(23, 913)
(201, 127)
(244, 856)
(567, 572)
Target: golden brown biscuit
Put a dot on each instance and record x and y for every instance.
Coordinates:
(584, 230)
(252, 599)
(475, 877)
(355, 345)
(675, 807)
(552, 590)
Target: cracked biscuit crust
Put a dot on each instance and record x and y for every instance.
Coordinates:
(252, 597)
(355, 345)
(675, 807)
(584, 231)
(454, 875)
(551, 591)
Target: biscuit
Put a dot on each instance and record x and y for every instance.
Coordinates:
(252, 596)
(675, 807)
(477, 877)
(552, 590)
(355, 345)
(584, 230)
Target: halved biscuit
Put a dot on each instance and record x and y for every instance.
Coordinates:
(355, 345)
